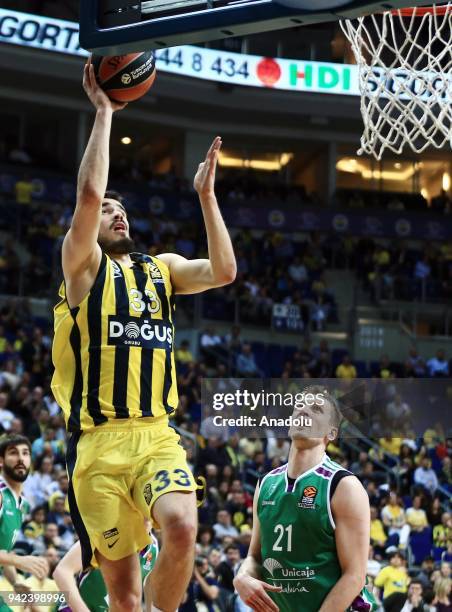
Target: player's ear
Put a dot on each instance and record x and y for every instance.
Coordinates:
(333, 434)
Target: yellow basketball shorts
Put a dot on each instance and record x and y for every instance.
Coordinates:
(116, 474)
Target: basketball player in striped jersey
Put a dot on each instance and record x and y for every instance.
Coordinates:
(311, 525)
(115, 378)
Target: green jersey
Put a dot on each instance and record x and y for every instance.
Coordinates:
(12, 515)
(297, 537)
(92, 587)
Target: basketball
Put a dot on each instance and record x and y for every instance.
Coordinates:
(125, 78)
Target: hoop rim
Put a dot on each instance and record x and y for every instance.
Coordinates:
(420, 11)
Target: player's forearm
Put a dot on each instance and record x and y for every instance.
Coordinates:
(93, 172)
(67, 584)
(221, 252)
(8, 559)
(250, 567)
(344, 592)
(10, 573)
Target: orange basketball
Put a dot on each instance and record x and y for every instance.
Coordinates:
(125, 78)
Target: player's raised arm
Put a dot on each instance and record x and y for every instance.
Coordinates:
(194, 276)
(351, 512)
(64, 576)
(81, 253)
(247, 582)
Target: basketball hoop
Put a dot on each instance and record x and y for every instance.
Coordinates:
(404, 59)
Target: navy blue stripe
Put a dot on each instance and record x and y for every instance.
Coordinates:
(147, 356)
(94, 315)
(168, 377)
(79, 526)
(121, 371)
(77, 389)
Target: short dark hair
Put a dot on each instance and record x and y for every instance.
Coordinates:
(231, 547)
(111, 194)
(12, 440)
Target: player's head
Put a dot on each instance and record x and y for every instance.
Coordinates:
(323, 409)
(396, 559)
(15, 457)
(114, 237)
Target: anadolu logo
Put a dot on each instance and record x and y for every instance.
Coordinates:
(320, 76)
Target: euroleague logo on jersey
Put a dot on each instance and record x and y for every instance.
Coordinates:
(308, 497)
(142, 333)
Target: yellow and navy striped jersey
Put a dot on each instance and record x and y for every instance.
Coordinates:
(113, 353)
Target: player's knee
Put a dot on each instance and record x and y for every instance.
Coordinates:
(180, 533)
(127, 601)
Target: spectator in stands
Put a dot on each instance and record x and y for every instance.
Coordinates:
(378, 536)
(205, 539)
(412, 601)
(61, 517)
(234, 339)
(416, 516)
(422, 268)
(298, 272)
(435, 512)
(438, 366)
(49, 538)
(346, 369)
(415, 365)
(35, 488)
(385, 368)
(183, 353)
(442, 590)
(227, 569)
(210, 341)
(442, 533)
(427, 567)
(357, 467)
(209, 338)
(246, 363)
(35, 528)
(203, 589)
(443, 573)
(223, 526)
(397, 411)
(277, 448)
(425, 476)
(446, 473)
(394, 519)
(394, 577)
(6, 416)
(373, 565)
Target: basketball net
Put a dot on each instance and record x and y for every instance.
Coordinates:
(404, 62)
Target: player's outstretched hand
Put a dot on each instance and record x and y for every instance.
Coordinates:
(94, 92)
(38, 566)
(252, 593)
(204, 182)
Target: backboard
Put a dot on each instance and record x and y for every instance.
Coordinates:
(111, 27)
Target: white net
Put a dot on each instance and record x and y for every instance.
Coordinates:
(405, 78)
